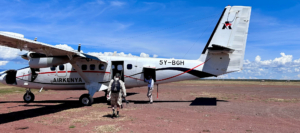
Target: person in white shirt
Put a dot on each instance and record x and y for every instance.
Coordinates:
(115, 90)
(150, 82)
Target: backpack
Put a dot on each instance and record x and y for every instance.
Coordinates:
(116, 86)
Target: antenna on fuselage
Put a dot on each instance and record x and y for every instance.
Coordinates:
(79, 46)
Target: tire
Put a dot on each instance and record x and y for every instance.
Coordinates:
(86, 100)
(28, 98)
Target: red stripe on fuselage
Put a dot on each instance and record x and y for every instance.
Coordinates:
(133, 77)
(24, 75)
(64, 72)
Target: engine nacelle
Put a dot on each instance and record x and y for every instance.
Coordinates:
(30, 55)
(47, 62)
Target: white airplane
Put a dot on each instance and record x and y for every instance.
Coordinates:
(60, 69)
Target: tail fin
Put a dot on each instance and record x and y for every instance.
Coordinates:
(225, 49)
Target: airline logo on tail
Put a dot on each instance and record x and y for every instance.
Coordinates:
(227, 25)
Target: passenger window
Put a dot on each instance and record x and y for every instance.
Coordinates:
(113, 67)
(53, 68)
(61, 67)
(84, 67)
(120, 67)
(92, 67)
(101, 67)
(129, 66)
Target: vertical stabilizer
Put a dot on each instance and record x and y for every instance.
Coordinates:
(230, 34)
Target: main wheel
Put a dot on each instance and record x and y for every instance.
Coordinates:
(86, 100)
(28, 97)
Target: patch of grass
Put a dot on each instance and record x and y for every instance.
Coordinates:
(129, 109)
(75, 110)
(98, 116)
(236, 118)
(282, 100)
(72, 126)
(11, 90)
(107, 128)
(58, 120)
(92, 116)
(212, 95)
(100, 105)
(41, 122)
(5, 89)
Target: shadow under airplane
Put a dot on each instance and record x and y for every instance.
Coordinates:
(71, 104)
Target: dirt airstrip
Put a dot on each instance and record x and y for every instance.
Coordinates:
(189, 106)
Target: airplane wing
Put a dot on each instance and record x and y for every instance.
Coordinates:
(15, 40)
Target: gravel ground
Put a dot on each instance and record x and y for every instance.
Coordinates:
(181, 107)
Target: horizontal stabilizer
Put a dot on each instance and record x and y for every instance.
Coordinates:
(219, 49)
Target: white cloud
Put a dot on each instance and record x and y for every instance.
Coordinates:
(257, 58)
(283, 59)
(64, 46)
(246, 62)
(283, 67)
(3, 63)
(144, 55)
(252, 77)
(10, 53)
(120, 54)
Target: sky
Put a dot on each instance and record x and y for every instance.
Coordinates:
(163, 29)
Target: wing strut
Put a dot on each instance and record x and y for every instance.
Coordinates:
(80, 72)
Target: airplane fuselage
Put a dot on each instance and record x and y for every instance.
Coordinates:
(65, 77)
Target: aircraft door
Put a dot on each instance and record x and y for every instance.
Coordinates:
(117, 67)
(61, 70)
(149, 72)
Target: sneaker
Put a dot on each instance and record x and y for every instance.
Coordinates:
(114, 115)
(151, 102)
(117, 116)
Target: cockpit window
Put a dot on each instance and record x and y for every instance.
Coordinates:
(101, 67)
(53, 68)
(92, 67)
(61, 67)
(84, 67)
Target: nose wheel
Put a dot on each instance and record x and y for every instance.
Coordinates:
(28, 96)
(86, 100)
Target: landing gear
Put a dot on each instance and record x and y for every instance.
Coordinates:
(86, 100)
(28, 96)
